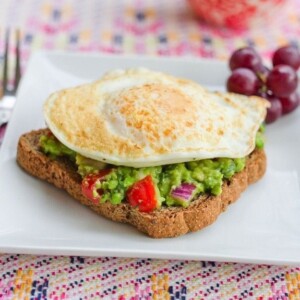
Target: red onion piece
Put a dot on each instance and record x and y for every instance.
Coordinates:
(184, 192)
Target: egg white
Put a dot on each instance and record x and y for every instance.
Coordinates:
(139, 118)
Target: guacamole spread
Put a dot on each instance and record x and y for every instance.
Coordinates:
(205, 176)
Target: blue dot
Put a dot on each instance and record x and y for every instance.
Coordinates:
(73, 39)
(28, 38)
(206, 40)
(118, 39)
(140, 16)
(183, 290)
(162, 39)
(56, 14)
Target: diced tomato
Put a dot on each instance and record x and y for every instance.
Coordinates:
(89, 182)
(50, 134)
(142, 195)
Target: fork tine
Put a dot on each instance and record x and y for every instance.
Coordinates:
(18, 64)
(5, 66)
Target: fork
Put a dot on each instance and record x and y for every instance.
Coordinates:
(9, 93)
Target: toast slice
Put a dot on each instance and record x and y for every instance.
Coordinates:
(162, 223)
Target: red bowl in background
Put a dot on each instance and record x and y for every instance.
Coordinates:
(237, 14)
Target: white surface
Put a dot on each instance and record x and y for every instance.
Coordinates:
(35, 217)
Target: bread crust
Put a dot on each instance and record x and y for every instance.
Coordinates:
(162, 223)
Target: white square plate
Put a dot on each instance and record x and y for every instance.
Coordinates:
(35, 217)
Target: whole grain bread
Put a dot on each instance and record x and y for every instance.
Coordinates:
(162, 223)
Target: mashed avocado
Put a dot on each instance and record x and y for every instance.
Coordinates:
(51, 146)
(88, 165)
(206, 175)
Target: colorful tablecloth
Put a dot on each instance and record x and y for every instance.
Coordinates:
(157, 27)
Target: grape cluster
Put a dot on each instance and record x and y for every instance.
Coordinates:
(278, 85)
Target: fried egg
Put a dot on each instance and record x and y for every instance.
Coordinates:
(137, 117)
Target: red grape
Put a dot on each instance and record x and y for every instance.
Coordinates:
(243, 81)
(250, 77)
(245, 57)
(287, 55)
(282, 80)
(290, 103)
(275, 111)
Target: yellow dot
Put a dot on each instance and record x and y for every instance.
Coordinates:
(259, 41)
(223, 57)
(281, 41)
(67, 11)
(172, 36)
(194, 37)
(130, 11)
(160, 282)
(85, 35)
(293, 18)
(150, 12)
(106, 36)
(24, 277)
(46, 8)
